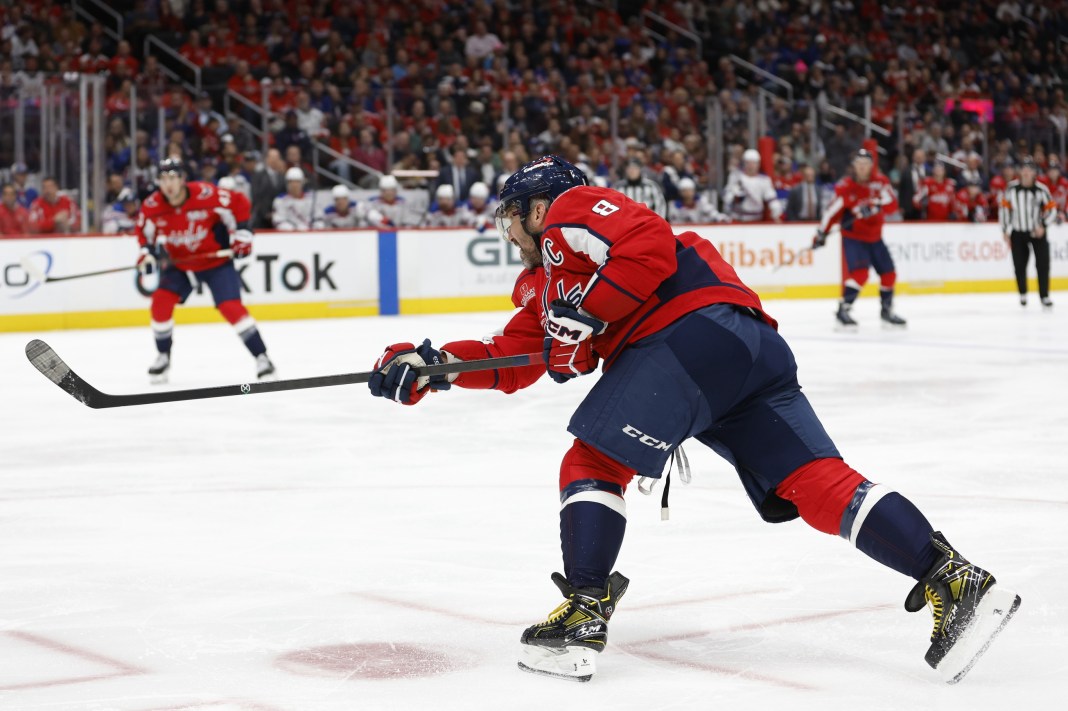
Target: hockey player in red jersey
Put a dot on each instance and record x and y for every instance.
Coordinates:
(1058, 187)
(971, 204)
(936, 196)
(688, 351)
(184, 227)
(998, 184)
(861, 204)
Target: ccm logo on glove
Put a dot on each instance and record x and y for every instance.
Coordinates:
(568, 347)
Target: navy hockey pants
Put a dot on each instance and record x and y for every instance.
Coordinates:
(722, 376)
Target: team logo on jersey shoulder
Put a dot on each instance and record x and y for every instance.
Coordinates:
(526, 293)
(205, 191)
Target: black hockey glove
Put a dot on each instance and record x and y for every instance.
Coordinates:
(395, 377)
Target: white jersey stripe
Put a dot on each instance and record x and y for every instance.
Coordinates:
(581, 240)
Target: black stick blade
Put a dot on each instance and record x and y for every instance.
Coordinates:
(46, 360)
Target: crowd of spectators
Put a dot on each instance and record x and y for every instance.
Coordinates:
(477, 88)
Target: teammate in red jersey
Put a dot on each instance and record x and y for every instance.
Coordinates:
(688, 351)
(971, 203)
(937, 196)
(997, 186)
(188, 226)
(1058, 187)
(861, 204)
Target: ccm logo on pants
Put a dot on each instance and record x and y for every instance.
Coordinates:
(645, 439)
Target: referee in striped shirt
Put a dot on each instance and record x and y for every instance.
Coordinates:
(1026, 209)
(642, 189)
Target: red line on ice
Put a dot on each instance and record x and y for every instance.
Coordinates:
(120, 668)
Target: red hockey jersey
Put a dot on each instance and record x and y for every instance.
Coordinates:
(997, 192)
(43, 215)
(622, 263)
(1059, 191)
(972, 208)
(861, 208)
(199, 226)
(938, 197)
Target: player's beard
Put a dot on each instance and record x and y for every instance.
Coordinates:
(530, 255)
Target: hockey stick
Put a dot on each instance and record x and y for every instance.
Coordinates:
(52, 366)
(35, 272)
(800, 253)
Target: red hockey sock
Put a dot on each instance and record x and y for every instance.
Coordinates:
(233, 311)
(163, 303)
(583, 462)
(821, 491)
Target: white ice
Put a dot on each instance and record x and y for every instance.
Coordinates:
(320, 549)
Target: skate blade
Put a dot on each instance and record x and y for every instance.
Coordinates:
(994, 612)
(843, 328)
(571, 663)
(161, 379)
(268, 378)
(894, 326)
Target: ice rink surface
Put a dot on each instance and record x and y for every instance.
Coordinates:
(323, 550)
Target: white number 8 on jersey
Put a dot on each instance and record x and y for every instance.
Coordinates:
(605, 208)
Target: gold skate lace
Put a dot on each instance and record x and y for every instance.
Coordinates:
(934, 600)
(558, 613)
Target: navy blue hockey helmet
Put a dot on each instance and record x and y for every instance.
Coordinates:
(547, 177)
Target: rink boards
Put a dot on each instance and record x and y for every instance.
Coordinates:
(363, 272)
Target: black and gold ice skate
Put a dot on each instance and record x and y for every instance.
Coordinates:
(969, 609)
(565, 644)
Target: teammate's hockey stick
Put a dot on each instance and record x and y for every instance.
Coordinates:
(35, 272)
(52, 366)
(800, 253)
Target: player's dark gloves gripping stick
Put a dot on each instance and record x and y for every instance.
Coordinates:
(395, 376)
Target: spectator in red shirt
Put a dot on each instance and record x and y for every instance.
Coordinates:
(369, 152)
(346, 144)
(243, 83)
(53, 212)
(195, 51)
(94, 60)
(124, 57)
(14, 218)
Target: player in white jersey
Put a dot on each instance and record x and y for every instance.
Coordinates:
(121, 215)
(388, 208)
(480, 206)
(693, 209)
(344, 212)
(445, 212)
(750, 193)
(295, 209)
